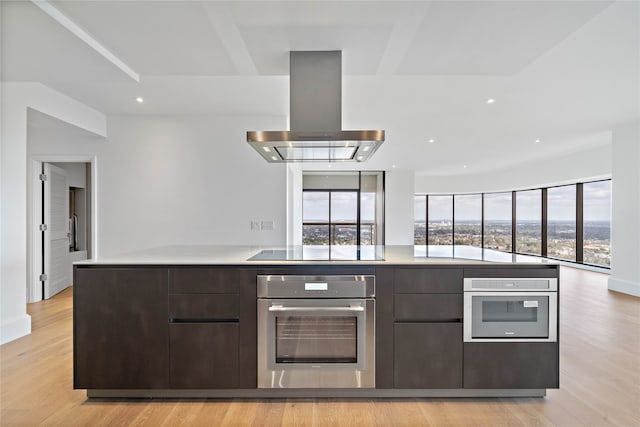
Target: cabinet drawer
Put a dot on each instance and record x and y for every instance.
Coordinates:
(204, 280)
(427, 280)
(428, 355)
(427, 306)
(204, 306)
(204, 355)
(511, 365)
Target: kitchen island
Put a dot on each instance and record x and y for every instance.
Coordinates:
(184, 322)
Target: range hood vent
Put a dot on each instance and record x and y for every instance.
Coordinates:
(315, 105)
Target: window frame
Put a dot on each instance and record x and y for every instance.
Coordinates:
(329, 222)
(579, 220)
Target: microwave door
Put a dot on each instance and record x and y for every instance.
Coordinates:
(504, 316)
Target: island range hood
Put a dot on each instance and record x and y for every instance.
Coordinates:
(315, 105)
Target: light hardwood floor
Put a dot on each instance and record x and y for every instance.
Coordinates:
(599, 380)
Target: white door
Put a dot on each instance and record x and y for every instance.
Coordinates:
(56, 239)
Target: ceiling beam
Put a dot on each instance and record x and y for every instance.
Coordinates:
(224, 24)
(67, 23)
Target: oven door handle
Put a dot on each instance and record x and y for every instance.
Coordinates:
(282, 308)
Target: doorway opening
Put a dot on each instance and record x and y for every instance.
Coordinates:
(62, 222)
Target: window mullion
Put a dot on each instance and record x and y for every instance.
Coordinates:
(513, 222)
(545, 227)
(580, 222)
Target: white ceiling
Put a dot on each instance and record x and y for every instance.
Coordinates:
(564, 72)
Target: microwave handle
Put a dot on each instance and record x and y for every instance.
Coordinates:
(281, 308)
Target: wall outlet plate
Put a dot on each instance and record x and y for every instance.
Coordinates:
(255, 225)
(267, 225)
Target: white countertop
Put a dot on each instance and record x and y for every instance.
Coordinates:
(239, 255)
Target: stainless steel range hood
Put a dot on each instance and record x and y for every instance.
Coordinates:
(316, 135)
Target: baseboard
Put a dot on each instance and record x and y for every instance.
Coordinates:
(625, 286)
(15, 329)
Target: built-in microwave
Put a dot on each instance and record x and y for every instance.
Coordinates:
(499, 309)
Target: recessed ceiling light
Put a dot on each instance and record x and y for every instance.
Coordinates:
(366, 148)
(266, 149)
(139, 100)
(393, 166)
(537, 141)
(490, 101)
(329, 166)
(464, 166)
(359, 157)
(431, 141)
(274, 158)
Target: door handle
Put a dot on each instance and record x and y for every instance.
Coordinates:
(280, 308)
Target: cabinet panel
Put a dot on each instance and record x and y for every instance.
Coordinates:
(204, 355)
(204, 306)
(427, 280)
(428, 306)
(248, 330)
(121, 335)
(219, 280)
(428, 355)
(384, 328)
(511, 365)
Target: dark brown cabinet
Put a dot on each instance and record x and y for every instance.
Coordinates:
(159, 328)
(428, 307)
(121, 338)
(195, 327)
(499, 365)
(428, 280)
(427, 345)
(211, 321)
(204, 355)
(428, 355)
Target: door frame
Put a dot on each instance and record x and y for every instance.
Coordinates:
(34, 208)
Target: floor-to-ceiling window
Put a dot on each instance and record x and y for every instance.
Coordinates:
(467, 223)
(440, 227)
(528, 222)
(420, 220)
(343, 218)
(568, 222)
(342, 209)
(561, 222)
(497, 221)
(597, 223)
(315, 218)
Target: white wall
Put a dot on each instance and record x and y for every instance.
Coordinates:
(16, 99)
(594, 162)
(398, 194)
(179, 181)
(294, 204)
(625, 239)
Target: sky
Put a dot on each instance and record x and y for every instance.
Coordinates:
(315, 206)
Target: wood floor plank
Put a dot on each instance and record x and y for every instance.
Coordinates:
(269, 413)
(599, 380)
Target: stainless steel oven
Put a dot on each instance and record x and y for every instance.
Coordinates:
(316, 331)
(510, 309)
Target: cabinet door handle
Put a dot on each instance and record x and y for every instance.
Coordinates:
(310, 309)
